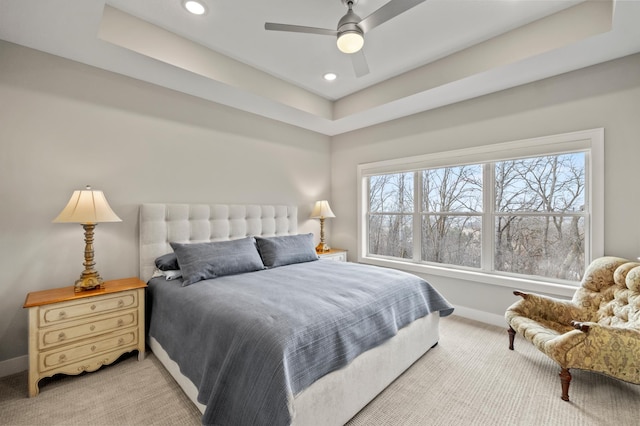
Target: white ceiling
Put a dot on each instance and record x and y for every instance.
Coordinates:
(439, 52)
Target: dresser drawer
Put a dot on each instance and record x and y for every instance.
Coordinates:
(73, 353)
(70, 332)
(334, 254)
(340, 257)
(49, 315)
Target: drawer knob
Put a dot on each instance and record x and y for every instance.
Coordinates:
(93, 327)
(120, 303)
(120, 322)
(62, 314)
(93, 348)
(121, 341)
(61, 336)
(93, 307)
(62, 358)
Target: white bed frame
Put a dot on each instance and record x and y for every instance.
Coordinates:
(336, 397)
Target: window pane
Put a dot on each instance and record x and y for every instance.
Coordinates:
(391, 193)
(454, 240)
(452, 189)
(391, 235)
(545, 246)
(544, 184)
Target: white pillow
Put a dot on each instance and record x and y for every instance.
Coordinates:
(168, 275)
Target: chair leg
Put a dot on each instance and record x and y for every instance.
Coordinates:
(512, 335)
(565, 379)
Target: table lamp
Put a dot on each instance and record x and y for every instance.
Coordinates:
(322, 210)
(87, 207)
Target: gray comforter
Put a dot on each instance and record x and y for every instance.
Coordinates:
(250, 342)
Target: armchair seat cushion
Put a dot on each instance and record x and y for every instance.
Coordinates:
(539, 331)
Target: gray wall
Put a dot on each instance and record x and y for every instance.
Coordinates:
(64, 125)
(606, 95)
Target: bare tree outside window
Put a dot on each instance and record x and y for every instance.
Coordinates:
(390, 215)
(451, 215)
(540, 222)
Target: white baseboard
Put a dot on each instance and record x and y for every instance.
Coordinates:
(485, 317)
(14, 365)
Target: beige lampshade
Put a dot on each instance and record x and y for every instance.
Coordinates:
(87, 206)
(322, 210)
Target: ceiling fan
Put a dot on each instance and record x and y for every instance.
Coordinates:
(351, 29)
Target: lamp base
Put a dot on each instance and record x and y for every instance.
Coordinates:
(90, 278)
(322, 248)
(88, 283)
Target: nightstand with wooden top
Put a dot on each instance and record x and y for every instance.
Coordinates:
(334, 254)
(73, 332)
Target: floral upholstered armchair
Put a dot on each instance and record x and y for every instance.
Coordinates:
(598, 330)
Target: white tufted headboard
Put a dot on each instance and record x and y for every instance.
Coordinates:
(193, 223)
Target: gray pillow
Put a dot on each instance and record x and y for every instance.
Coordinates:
(203, 261)
(285, 250)
(167, 262)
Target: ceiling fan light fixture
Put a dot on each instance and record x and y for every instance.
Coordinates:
(350, 41)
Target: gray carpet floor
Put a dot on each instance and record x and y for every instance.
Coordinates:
(470, 378)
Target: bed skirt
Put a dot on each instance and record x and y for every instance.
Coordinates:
(337, 397)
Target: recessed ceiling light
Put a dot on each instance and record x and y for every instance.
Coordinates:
(330, 76)
(196, 7)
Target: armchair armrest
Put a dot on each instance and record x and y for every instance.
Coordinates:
(582, 326)
(611, 350)
(595, 329)
(558, 310)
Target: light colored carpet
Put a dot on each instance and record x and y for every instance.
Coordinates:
(470, 378)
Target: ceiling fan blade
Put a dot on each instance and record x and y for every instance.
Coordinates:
(299, 29)
(360, 65)
(387, 12)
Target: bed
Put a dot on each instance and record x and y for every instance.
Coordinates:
(284, 344)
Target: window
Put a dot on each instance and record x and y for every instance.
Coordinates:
(540, 216)
(451, 215)
(529, 208)
(391, 215)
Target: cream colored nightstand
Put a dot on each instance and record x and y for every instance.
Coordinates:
(334, 254)
(74, 332)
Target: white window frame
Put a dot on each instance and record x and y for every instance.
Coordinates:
(591, 141)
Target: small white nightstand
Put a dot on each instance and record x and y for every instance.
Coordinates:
(74, 332)
(334, 254)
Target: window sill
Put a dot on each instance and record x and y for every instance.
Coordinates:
(555, 289)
